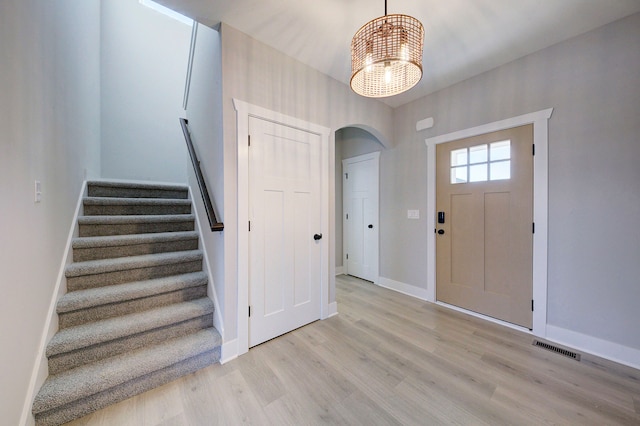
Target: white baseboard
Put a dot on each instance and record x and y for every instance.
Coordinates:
(41, 367)
(332, 310)
(339, 270)
(598, 347)
(229, 351)
(408, 289)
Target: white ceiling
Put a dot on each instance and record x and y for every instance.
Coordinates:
(463, 38)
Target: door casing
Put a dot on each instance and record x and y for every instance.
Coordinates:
(540, 121)
(243, 111)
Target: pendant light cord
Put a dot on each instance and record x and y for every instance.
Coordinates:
(385, 7)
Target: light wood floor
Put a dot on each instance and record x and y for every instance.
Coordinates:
(389, 359)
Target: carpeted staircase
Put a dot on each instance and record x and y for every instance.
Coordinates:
(136, 314)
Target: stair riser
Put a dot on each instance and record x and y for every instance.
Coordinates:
(126, 390)
(111, 210)
(98, 230)
(66, 361)
(106, 191)
(118, 277)
(96, 253)
(82, 316)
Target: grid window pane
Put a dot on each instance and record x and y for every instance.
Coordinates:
(501, 150)
(501, 170)
(481, 163)
(459, 174)
(459, 157)
(478, 172)
(478, 154)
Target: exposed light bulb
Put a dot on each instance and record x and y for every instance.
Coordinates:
(404, 52)
(387, 72)
(404, 45)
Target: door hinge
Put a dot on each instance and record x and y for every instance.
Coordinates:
(531, 305)
(249, 226)
(249, 311)
(346, 175)
(533, 149)
(347, 256)
(249, 140)
(347, 216)
(533, 228)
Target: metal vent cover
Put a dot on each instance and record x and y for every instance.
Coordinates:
(556, 349)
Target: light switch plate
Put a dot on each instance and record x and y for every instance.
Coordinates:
(38, 192)
(413, 214)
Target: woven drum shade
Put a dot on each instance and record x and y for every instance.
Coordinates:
(386, 56)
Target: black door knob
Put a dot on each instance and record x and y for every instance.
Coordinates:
(440, 231)
(370, 226)
(317, 237)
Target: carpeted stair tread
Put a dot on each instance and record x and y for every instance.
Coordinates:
(112, 206)
(136, 190)
(99, 225)
(97, 377)
(136, 185)
(94, 267)
(84, 299)
(126, 219)
(131, 239)
(123, 201)
(90, 334)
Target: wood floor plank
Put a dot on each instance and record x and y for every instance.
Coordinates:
(389, 359)
(264, 383)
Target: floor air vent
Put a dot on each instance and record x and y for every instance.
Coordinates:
(557, 350)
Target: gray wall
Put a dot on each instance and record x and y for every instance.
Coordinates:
(49, 131)
(593, 84)
(257, 74)
(144, 63)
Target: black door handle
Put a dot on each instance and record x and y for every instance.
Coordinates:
(370, 226)
(317, 237)
(440, 231)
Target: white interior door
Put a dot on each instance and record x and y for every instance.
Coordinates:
(285, 230)
(360, 204)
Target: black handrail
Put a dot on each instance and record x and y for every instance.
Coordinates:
(208, 206)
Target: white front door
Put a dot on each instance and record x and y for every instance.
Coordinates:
(360, 200)
(285, 229)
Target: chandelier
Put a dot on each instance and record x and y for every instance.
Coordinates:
(386, 55)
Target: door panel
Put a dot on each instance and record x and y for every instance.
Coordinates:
(284, 213)
(496, 243)
(361, 205)
(274, 246)
(355, 253)
(303, 229)
(484, 250)
(464, 256)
